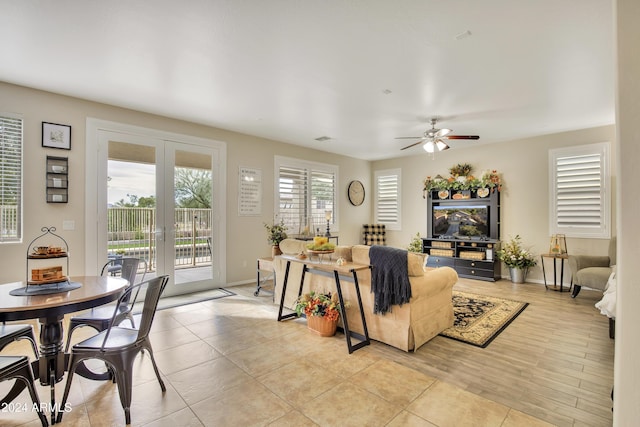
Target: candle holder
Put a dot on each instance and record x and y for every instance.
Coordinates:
(327, 216)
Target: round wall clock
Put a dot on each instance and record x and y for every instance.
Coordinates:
(356, 193)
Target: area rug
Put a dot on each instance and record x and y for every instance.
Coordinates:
(481, 318)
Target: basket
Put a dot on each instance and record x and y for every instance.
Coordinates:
(472, 255)
(441, 244)
(49, 273)
(441, 252)
(321, 326)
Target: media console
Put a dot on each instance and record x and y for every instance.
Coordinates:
(475, 259)
(464, 232)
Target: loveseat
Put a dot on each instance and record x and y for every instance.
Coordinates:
(407, 326)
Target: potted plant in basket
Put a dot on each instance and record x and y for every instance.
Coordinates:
(322, 311)
(276, 233)
(517, 259)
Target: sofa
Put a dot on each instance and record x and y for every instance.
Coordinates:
(407, 326)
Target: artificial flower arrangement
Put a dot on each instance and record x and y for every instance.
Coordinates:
(276, 233)
(325, 305)
(462, 179)
(515, 256)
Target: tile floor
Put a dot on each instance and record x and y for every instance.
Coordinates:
(227, 362)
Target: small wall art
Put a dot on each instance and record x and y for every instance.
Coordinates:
(56, 136)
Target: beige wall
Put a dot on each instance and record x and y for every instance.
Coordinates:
(523, 165)
(626, 372)
(246, 236)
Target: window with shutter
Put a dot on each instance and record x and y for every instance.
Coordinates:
(10, 179)
(305, 191)
(387, 203)
(580, 191)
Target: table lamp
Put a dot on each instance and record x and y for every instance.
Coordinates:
(327, 216)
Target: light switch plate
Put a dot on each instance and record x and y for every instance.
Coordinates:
(68, 225)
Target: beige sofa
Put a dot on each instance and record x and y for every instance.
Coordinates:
(406, 327)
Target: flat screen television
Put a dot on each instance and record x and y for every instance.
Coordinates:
(461, 222)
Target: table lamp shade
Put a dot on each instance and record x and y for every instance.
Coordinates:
(558, 245)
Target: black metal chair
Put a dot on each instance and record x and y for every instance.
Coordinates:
(14, 332)
(18, 368)
(99, 318)
(118, 346)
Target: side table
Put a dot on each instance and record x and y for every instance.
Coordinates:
(264, 272)
(344, 273)
(555, 258)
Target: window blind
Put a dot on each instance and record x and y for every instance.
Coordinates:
(579, 191)
(10, 179)
(580, 204)
(387, 206)
(305, 192)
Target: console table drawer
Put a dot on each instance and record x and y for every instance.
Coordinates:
(440, 261)
(475, 272)
(474, 264)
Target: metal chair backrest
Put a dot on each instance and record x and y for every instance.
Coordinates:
(128, 268)
(152, 290)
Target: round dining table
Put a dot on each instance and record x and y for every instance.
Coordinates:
(50, 310)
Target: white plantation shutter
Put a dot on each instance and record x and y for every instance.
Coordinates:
(580, 190)
(322, 194)
(10, 179)
(305, 189)
(387, 203)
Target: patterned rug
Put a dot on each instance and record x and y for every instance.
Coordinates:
(481, 318)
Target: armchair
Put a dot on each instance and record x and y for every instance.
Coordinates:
(592, 271)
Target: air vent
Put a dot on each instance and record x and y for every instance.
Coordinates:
(323, 138)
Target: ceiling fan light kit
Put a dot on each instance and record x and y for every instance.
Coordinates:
(433, 138)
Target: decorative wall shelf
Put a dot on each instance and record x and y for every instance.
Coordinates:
(57, 186)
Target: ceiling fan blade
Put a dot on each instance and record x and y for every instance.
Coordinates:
(462, 137)
(409, 137)
(412, 145)
(442, 132)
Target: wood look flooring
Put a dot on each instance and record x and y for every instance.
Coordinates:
(553, 362)
(228, 362)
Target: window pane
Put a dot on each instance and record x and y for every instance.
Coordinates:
(10, 179)
(305, 192)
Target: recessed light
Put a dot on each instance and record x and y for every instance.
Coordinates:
(323, 138)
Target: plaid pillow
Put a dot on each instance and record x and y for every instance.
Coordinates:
(373, 228)
(375, 239)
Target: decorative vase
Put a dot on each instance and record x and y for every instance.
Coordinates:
(275, 250)
(321, 326)
(518, 275)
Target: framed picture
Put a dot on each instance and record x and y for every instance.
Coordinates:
(56, 136)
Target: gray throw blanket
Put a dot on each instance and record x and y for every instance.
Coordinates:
(389, 277)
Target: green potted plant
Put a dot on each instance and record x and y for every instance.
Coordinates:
(322, 311)
(276, 233)
(416, 244)
(517, 259)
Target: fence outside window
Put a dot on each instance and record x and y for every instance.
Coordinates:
(131, 233)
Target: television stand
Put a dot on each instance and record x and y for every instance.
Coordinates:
(473, 259)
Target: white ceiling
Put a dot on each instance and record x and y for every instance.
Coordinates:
(361, 72)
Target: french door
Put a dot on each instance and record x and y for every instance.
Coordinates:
(160, 199)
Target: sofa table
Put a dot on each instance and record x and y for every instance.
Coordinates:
(264, 272)
(347, 273)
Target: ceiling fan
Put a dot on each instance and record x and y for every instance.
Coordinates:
(434, 138)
